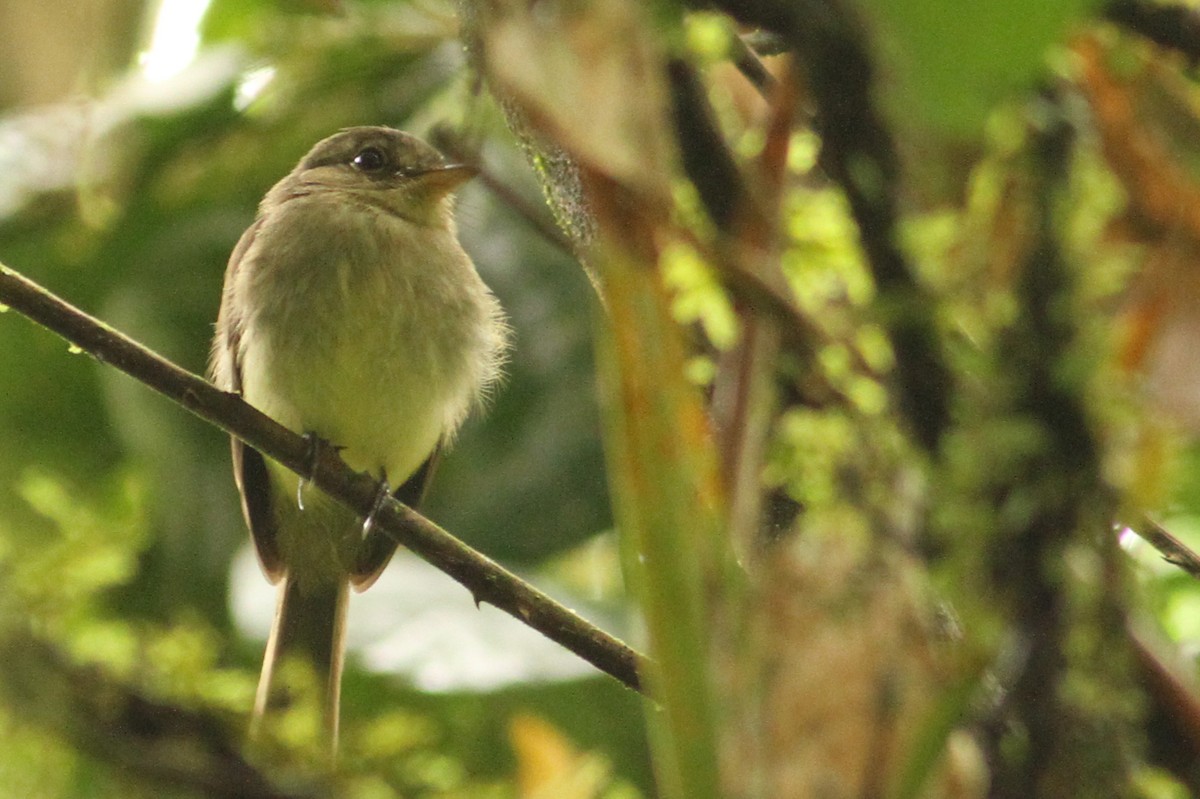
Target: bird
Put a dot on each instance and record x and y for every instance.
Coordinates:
(350, 314)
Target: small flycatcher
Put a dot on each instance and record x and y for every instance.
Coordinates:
(350, 313)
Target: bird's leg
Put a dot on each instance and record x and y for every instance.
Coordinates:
(315, 444)
(382, 492)
(376, 547)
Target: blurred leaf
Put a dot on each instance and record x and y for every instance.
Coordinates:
(571, 68)
(954, 62)
(668, 502)
(549, 767)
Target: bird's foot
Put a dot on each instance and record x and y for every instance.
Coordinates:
(382, 492)
(315, 445)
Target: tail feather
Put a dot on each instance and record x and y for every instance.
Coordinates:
(310, 623)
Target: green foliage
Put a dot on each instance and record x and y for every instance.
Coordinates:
(698, 295)
(119, 520)
(954, 62)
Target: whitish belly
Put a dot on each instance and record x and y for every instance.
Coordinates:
(384, 406)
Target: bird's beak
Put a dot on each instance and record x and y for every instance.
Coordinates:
(442, 180)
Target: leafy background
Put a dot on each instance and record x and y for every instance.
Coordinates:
(120, 536)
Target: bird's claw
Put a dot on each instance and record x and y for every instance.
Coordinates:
(315, 443)
(381, 495)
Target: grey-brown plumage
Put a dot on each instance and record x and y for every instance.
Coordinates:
(350, 312)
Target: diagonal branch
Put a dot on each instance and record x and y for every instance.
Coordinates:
(484, 578)
(456, 147)
(1173, 550)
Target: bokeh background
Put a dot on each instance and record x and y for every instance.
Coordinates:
(973, 610)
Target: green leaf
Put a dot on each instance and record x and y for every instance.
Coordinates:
(952, 62)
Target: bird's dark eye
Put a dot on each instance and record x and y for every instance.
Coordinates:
(369, 159)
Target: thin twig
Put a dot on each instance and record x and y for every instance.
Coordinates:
(746, 59)
(454, 146)
(1171, 548)
(484, 578)
(540, 222)
(766, 43)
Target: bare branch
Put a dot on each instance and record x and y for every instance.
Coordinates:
(484, 578)
(747, 61)
(538, 220)
(1171, 548)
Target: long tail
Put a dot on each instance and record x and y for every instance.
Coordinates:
(310, 623)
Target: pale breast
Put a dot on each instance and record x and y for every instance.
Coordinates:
(370, 341)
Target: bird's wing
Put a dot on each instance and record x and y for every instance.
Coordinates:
(249, 467)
